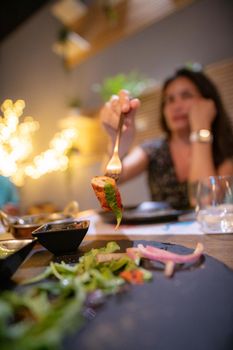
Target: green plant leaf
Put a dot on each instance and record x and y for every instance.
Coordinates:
(134, 82)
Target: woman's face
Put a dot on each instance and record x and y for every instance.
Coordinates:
(179, 97)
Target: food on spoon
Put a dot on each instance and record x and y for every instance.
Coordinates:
(108, 195)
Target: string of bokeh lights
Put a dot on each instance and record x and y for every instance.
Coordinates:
(16, 146)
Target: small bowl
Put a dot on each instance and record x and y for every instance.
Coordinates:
(12, 254)
(62, 237)
(32, 222)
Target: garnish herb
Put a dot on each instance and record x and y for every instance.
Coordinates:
(113, 203)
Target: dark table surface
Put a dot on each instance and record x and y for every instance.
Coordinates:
(192, 310)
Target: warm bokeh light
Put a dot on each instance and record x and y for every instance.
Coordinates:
(15, 138)
(16, 146)
(54, 158)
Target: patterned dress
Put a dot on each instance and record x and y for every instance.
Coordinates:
(162, 179)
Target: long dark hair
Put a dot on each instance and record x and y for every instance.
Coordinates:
(221, 127)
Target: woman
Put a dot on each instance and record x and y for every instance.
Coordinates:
(198, 138)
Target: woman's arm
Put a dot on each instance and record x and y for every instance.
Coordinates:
(134, 164)
(202, 114)
(202, 158)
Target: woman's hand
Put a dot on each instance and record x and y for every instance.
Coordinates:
(110, 115)
(202, 114)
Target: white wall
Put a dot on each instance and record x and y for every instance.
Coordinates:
(30, 70)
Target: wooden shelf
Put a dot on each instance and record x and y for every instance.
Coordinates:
(131, 16)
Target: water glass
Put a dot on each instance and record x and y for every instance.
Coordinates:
(214, 204)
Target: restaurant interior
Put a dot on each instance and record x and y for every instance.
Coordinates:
(60, 62)
(62, 89)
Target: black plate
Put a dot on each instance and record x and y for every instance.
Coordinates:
(192, 310)
(17, 253)
(147, 212)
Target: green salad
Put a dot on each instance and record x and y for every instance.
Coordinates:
(40, 312)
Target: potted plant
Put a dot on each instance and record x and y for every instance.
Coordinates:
(134, 82)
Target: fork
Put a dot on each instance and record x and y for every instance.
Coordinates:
(114, 166)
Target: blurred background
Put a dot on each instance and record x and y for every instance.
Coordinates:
(64, 58)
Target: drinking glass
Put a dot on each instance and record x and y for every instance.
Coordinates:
(214, 204)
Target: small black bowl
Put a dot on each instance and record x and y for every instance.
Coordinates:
(12, 254)
(62, 237)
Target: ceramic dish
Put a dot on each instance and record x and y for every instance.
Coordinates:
(30, 223)
(62, 237)
(12, 254)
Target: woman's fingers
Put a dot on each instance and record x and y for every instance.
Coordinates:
(124, 99)
(115, 104)
(121, 103)
(110, 115)
(135, 103)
